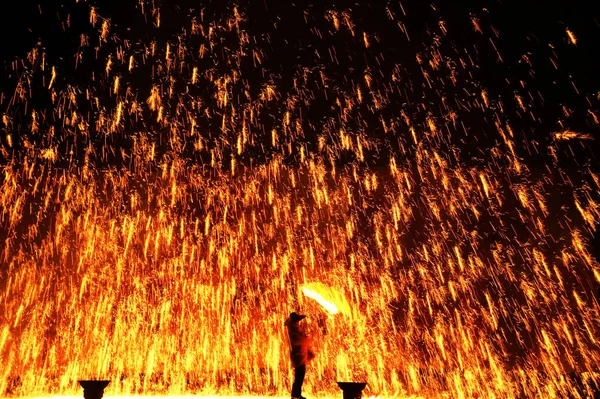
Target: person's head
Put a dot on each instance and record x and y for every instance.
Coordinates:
(295, 317)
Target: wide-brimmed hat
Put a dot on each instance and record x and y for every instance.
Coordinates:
(295, 317)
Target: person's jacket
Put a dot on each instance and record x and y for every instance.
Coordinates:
(300, 352)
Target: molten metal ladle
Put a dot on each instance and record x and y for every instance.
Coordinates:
(352, 390)
(93, 389)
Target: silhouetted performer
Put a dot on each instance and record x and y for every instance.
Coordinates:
(300, 352)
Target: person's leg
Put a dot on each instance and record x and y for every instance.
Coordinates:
(299, 373)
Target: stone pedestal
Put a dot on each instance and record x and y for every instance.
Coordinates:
(352, 390)
(93, 389)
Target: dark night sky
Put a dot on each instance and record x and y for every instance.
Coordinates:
(521, 28)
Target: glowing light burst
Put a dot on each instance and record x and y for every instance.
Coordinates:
(171, 191)
(328, 305)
